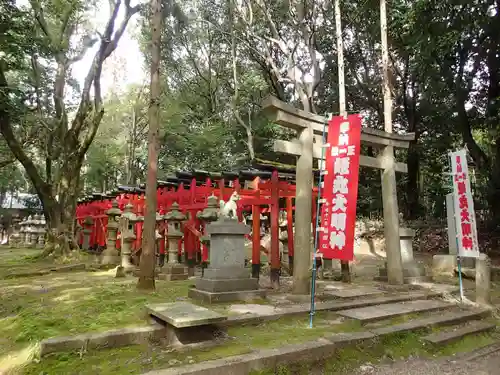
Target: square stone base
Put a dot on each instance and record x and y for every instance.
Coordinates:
(413, 272)
(173, 272)
(444, 264)
(214, 297)
(226, 285)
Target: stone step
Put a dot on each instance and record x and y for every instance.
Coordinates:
(455, 334)
(351, 293)
(392, 310)
(452, 317)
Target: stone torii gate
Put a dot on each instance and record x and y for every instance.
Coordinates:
(308, 146)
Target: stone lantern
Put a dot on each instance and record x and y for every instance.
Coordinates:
(88, 223)
(15, 237)
(38, 232)
(110, 255)
(158, 238)
(174, 218)
(28, 231)
(22, 232)
(207, 216)
(128, 220)
(43, 231)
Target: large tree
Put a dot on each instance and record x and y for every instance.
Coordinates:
(65, 128)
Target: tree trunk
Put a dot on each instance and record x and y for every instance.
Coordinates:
(60, 213)
(494, 189)
(412, 184)
(147, 263)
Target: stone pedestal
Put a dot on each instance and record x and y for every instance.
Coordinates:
(444, 264)
(483, 279)
(174, 270)
(412, 271)
(226, 279)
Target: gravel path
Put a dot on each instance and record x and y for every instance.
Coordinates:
(483, 362)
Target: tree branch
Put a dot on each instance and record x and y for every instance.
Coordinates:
(42, 188)
(37, 8)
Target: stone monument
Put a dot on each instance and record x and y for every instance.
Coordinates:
(226, 278)
(174, 270)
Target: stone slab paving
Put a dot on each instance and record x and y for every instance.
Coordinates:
(352, 293)
(380, 312)
(446, 337)
(184, 314)
(256, 309)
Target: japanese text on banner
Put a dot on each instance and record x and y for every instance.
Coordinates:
(465, 216)
(340, 192)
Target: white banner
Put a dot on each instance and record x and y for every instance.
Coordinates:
(465, 216)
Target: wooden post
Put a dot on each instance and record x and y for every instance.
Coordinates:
(389, 194)
(289, 219)
(275, 244)
(255, 241)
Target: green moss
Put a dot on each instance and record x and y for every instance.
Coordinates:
(129, 360)
(34, 309)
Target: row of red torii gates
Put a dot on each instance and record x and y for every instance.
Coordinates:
(266, 190)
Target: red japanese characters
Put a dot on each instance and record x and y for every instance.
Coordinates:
(340, 192)
(465, 217)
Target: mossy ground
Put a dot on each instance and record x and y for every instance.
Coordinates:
(61, 304)
(39, 307)
(243, 339)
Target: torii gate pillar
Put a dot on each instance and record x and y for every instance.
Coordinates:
(303, 213)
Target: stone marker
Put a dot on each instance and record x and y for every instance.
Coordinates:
(381, 312)
(226, 278)
(483, 279)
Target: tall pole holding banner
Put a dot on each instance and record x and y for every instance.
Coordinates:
(346, 275)
(465, 216)
(389, 193)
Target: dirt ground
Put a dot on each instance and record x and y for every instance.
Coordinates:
(482, 362)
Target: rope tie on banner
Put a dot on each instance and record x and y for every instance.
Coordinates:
(322, 172)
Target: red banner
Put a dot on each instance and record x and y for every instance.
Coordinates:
(340, 191)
